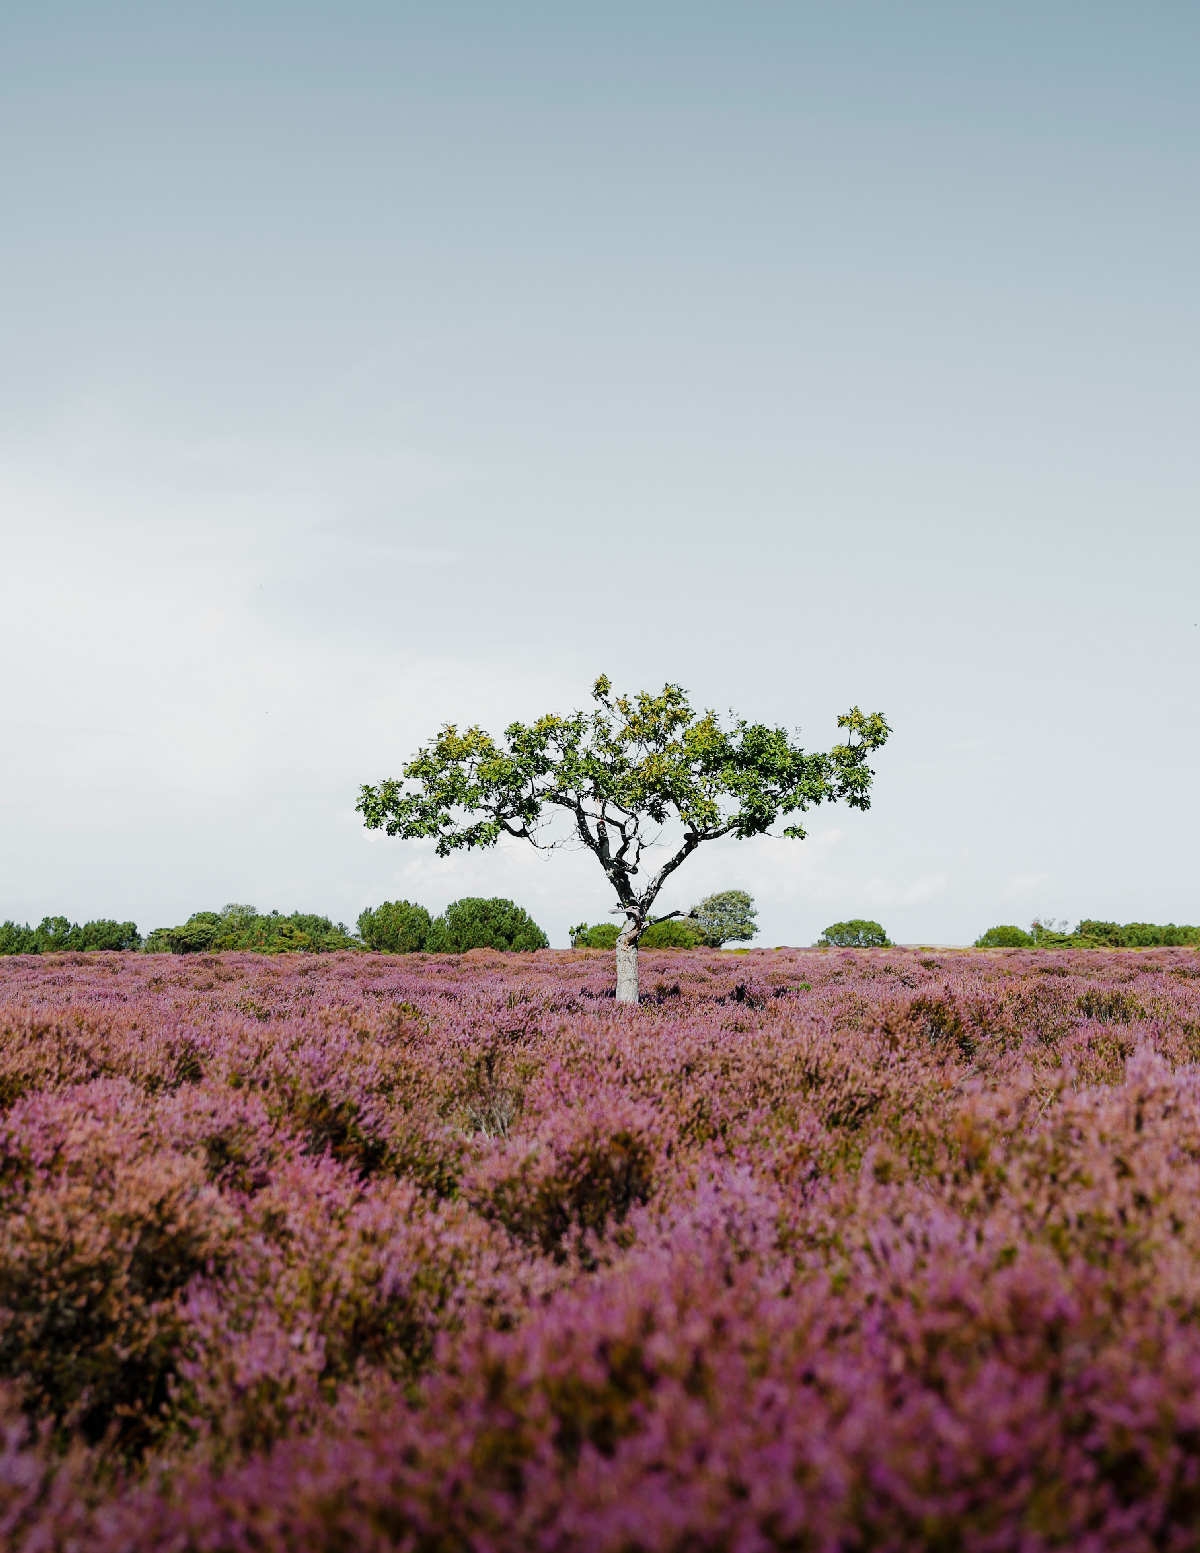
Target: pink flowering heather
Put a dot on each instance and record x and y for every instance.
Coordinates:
(829, 1251)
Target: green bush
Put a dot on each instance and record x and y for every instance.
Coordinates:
(1005, 937)
(855, 934)
(602, 936)
(672, 934)
(243, 927)
(396, 927)
(475, 923)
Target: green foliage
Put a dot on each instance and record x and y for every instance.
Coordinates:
(674, 933)
(107, 934)
(1004, 937)
(1133, 935)
(1090, 934)
(15, 939)
(858, 933)
(243, 927)
(602, 936)
(646, 754)
(396, 927)
(475, 923)
(55, 934)
(724, 917)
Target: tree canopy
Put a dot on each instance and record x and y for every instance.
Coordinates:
(396, 927)
(725, 917)
(858, 933)
(478, 923)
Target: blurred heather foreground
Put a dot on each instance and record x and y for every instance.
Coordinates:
(851, 1249)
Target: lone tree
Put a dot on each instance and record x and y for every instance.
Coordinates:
(724, 917)
(637, 773)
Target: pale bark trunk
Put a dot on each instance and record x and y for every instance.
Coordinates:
(627, 966)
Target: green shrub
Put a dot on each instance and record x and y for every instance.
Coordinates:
(672, 934)
(602, 936)
(396, 927)
(475, 923)
(1006, 937)
(243, 927)
(858, 933)
(675, 933)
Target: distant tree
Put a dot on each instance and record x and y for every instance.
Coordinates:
(396, 927)
(475, 923)
(620, 774)
(1004, 937)
(107, 934)
(858, 933)
(724, 917)
(55, 934)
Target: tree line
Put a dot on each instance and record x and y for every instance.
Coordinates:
(1090, 933)
(395, 927)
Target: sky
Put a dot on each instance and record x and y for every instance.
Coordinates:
(367, 367)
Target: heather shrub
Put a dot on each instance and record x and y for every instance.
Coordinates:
(807, 1251)
(101, 1230)
(332, 1279)
(1109, 1006)
(582, 1171)
(473, 923)
(396, 927)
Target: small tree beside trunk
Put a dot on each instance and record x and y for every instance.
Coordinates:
(637, 779)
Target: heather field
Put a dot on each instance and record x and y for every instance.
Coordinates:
(808, 1251)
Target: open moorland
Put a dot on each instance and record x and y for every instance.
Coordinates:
(807, 1251)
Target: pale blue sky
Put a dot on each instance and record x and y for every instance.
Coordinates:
(369, 366)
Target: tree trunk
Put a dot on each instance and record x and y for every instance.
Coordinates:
(627, 967)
